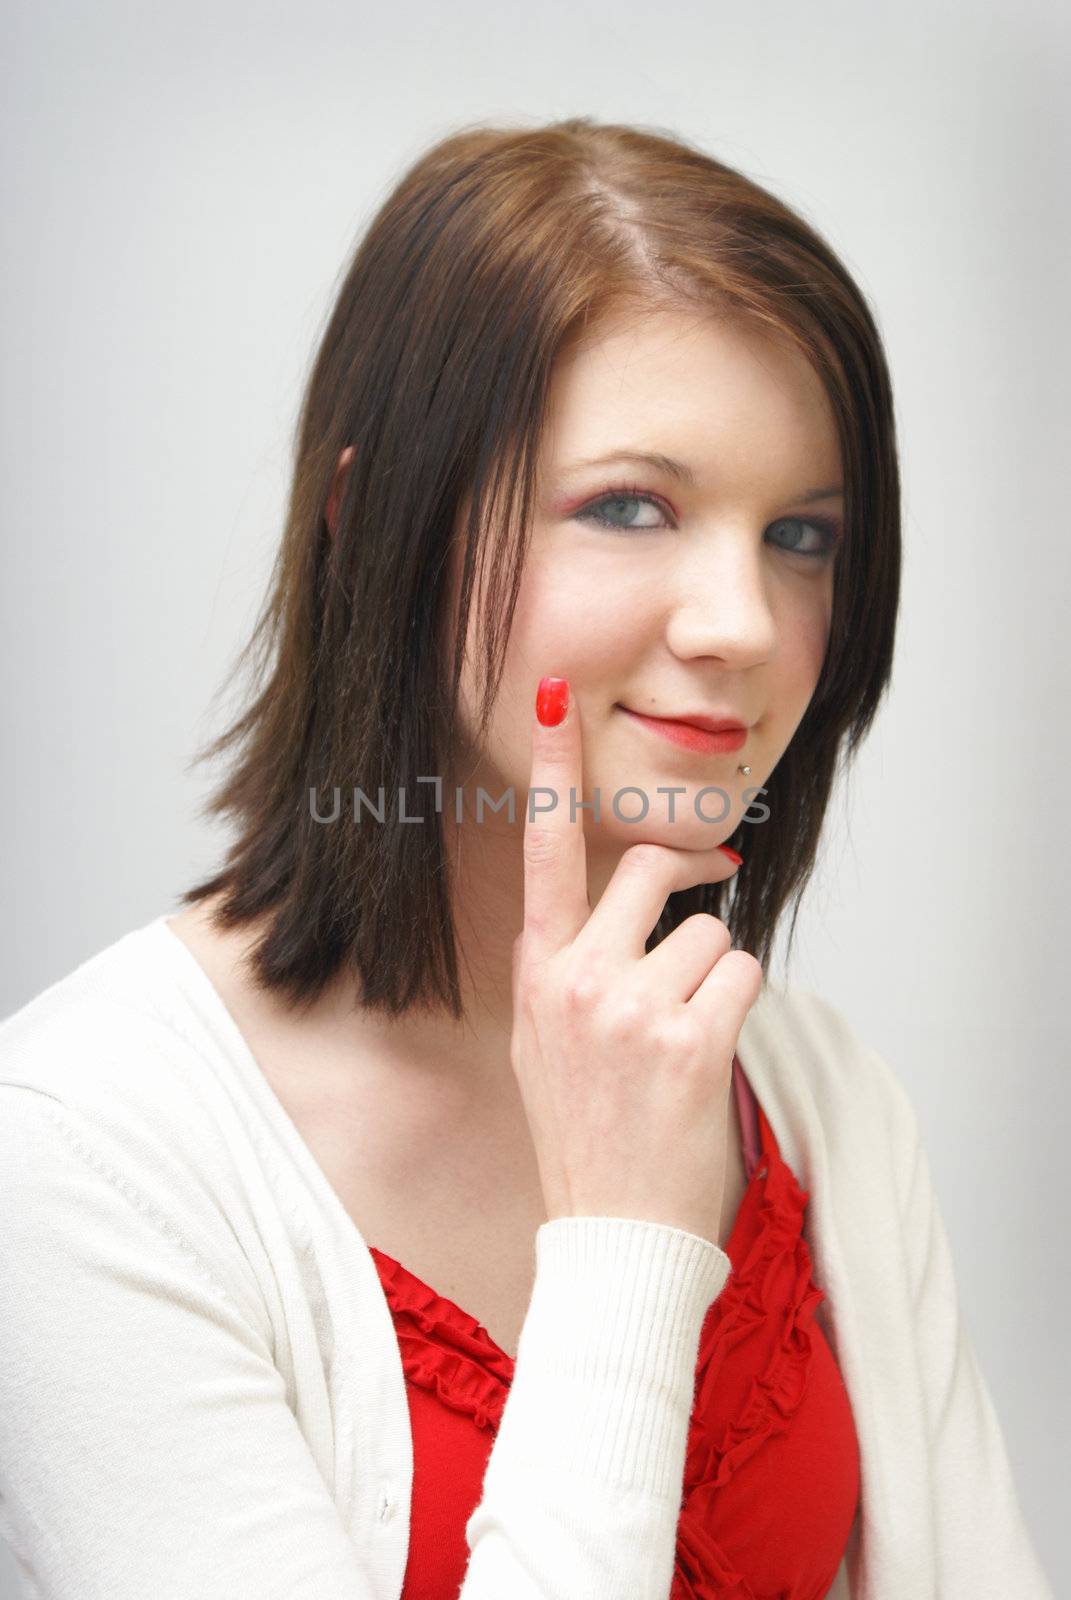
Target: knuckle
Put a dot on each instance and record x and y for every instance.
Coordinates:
(674, 1035)
(745, 964)
(630, 1016)
(647, 856)
(582, 988)
(757, 974)
(529, 970)
(541, 845)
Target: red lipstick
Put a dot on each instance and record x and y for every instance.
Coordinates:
(708, 735)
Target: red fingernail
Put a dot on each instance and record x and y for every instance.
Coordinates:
(732, 855)
(552, 701)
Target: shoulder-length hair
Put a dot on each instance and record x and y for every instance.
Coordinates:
(495, 252)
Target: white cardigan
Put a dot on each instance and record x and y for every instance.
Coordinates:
(201, 1390)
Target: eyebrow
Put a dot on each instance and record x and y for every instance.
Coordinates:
(684, 473)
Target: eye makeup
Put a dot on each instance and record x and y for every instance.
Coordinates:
(593, 511)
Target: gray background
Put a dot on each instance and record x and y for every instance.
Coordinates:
(181, 190)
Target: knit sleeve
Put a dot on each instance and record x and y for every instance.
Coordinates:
(582, 1492)
(984, 1548)
(146, 1444)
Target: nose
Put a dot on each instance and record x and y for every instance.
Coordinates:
(719, 604)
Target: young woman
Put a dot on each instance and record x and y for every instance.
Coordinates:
(443, 1202)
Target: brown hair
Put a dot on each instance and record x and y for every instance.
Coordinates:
(491, 257)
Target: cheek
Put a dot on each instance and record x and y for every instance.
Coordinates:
(805, 635)
(538, 644)
(817, 639)
(558, 627)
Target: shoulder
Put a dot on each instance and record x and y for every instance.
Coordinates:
(109, 1068)
(112, 1033)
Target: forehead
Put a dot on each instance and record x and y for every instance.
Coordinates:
(725, 395)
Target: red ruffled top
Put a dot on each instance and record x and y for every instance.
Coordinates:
(771, 1480)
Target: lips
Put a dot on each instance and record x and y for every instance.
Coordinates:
(697, 719)
(710, 724)
(719, 739)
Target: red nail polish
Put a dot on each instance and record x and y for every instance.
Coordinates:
(552, 701)
(732, 854)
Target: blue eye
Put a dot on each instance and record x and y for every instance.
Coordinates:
(618, 511)
(620, 501)
(826, 526)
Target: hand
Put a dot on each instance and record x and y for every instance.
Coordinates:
(623, 1059)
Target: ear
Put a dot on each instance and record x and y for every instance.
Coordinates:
(338, 487)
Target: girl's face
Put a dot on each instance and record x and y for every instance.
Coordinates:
(705, 588)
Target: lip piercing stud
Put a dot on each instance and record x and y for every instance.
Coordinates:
(745, 770)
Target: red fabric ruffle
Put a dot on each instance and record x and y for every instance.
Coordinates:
(771, 1288)
(443, 1348)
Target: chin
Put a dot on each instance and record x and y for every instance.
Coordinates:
(685, 832)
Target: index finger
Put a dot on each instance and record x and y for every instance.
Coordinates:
(555, 856)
